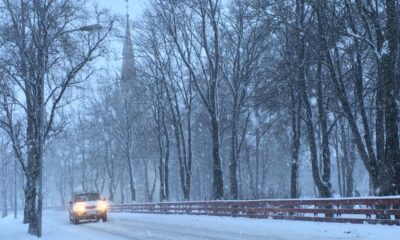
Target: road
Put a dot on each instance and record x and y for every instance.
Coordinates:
(123, 226)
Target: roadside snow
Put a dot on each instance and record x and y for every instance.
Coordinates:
(56, 226)
(184, 227)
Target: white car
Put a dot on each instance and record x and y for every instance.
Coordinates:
(87, 206)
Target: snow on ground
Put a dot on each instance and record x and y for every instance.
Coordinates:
(184, 227)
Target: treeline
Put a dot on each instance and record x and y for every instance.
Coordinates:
(249, 99)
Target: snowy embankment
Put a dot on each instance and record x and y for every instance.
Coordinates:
(181, 227)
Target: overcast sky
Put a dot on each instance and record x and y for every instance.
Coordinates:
(135, 9)
(119, 7)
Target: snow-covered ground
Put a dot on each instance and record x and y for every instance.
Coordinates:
(157, 227)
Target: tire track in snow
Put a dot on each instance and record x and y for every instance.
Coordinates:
(137, 229)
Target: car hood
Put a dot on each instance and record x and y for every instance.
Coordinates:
(91, 203)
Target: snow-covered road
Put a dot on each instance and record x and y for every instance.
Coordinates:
(163, 227)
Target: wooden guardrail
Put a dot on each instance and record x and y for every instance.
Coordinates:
(374, 210)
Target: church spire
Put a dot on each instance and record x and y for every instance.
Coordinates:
(127, 9)
(128, 60)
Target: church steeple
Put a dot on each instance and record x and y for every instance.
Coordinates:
(128, 59)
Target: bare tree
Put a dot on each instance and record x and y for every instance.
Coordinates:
(48, 62)
(204, 72)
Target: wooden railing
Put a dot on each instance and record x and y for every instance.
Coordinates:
(377, 210)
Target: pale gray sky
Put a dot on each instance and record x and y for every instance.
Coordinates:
(135, 9)
(118, 6)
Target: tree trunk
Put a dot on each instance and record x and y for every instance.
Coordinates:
(349, 172)
(153, 186)
(189, 141)
(257, 169)
(166, 163)
(15, 189)
(122, 184)
(160, 142)
(392, 148)
(4, 181)
(111, 190)
(326, 158)
(296, 129)
(323, 190)
(30, 204)
(132, 185)
(218, 182)
(339, 164)
(233, 155)
(146, 181)
(250, 174)
(296, 104)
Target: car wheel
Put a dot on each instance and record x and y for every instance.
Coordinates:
(76, 221)
(105, 218)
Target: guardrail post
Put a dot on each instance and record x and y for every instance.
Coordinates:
(396, 207)
(327, 214)
(316, 213)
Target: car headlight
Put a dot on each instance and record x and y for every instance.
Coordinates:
(102, 206)
(79, 207)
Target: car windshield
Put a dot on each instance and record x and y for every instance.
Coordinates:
(87, 197)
